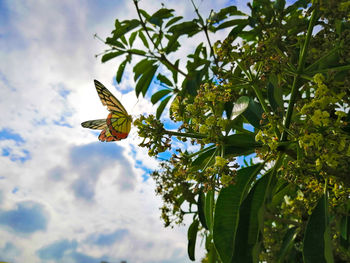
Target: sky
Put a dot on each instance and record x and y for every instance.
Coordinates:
(65, 196)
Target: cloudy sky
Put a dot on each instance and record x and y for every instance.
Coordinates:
(64, 196)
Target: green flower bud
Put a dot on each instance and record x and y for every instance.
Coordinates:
(220, 162)
(319, 78)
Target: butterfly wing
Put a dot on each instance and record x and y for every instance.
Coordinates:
(119, 124)
(106, 136)
(95, 124)
(101, 124)
(108, 99)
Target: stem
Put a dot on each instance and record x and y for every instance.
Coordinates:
(212, 254)
(201, 151)
(143, 23)
(265, 107)
(164, 59)
(303, 76)
(210, 45)
(255, 88)
(260, 97)
(300, 69)
(211, 158)
(244, 70)
(291, 66)
(325, 186)
(145, 55)
(186, 135)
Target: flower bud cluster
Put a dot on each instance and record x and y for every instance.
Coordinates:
(153, 133)
(321, 136)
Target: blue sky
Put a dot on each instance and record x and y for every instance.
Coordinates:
(64, 196)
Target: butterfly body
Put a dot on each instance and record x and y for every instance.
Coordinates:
(118, 123)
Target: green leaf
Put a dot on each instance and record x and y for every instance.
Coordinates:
(162, 78)
(275, 95)
(278, 196)
(227, 212)
(279, 5)
(287, 243)
(161, 106)
(180, 200)
(163, 13)
(111, 55)
(230, 23)
(237, 151)
(250, 109)
(192, 82)
(137, 52)
(173, 21)
(114, 42)
(241, 140)
(228, 109)
(237, 30)
(173, 44)
(142, 67)
(204, 156)
(253, 113)
(251, 223)
(217, 18)
(209, 198)
(120, 71)
(296, 5)
(344, 230)
(240, 106)
(212, 256)
(123, 39)
(228, 11)
(145, 80)
(173, 71)
(132, 38)
(145, 14)
(192, 236)
(143, 38)
(159, 95)
(201, 208)
(124, 27)
(188, 28)
(329, 60)
(158, 17)
(347, 127)
(240, 144)
(317, 240)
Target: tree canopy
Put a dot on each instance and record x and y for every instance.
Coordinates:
(276, 86)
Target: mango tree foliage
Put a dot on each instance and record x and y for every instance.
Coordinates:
(276, 86)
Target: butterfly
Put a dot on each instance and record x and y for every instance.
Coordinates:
(118, 123)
